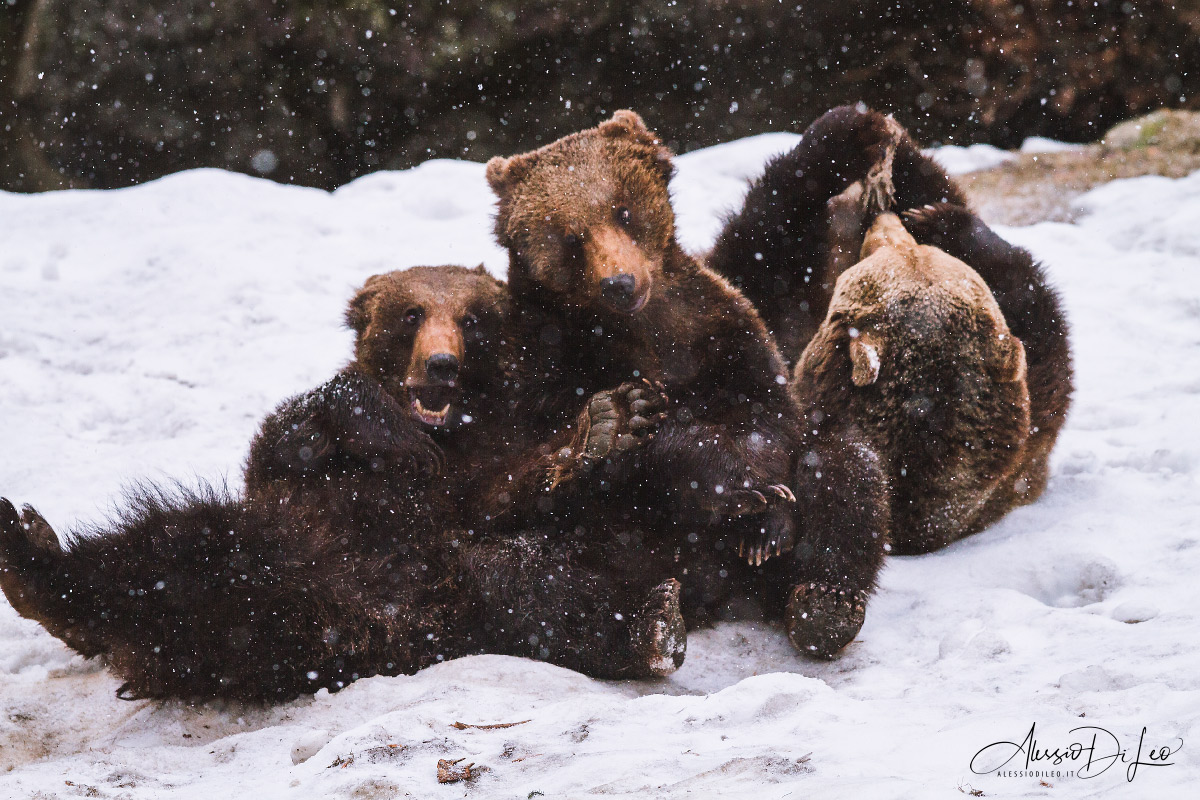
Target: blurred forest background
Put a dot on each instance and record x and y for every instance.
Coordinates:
(106, 93)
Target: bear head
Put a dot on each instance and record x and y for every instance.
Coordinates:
(431, 337)
(588, 218)
(905, 302)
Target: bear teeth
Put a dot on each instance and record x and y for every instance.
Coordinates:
(430, 417)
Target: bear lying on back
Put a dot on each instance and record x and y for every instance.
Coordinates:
(345, 558)
(915, 349)
(334, 567)
(793, 237)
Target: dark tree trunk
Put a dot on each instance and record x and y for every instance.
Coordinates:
(23, 163)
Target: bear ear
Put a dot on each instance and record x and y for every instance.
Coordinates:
(1008, 359)
(358, 313)
(864, 359)
(481, 270)
(626, 124)
(503, 172)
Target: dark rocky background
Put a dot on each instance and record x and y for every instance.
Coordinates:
(106, 93)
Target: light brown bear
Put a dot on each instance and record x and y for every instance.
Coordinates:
(915, 349)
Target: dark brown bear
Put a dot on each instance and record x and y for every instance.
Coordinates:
(417, 331)
(915, 350)
(341, 562)
(793, 237)
(603, 294)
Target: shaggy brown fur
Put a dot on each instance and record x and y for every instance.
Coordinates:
(199, 595)
(423, 384)
(344, 560)
(805, 224)
(915, 350)
(1035, 315)
(779, 249)
(603, 294)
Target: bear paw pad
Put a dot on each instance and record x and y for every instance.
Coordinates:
(660, 636)
(821, 620)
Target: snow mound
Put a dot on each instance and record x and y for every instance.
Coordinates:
(958, 160)
(146, 331)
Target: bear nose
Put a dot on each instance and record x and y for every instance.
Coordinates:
(618, 290)
(442, 367)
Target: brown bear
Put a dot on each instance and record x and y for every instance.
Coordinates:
(915, 350)
(603, 294)
(415, 331)
(407, 394)
(787, 245)
(343, 561)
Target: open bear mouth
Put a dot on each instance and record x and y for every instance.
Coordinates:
(431, 404)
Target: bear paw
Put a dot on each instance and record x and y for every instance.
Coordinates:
(937, 224)
(25, 535)
(879, 190)
(622, 419)
(775, 535)
(659, 634)
(821, 620)
(28, 548)
(750, 500)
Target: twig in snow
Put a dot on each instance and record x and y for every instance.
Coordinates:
(462, 726)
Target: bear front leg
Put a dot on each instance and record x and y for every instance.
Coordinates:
(350, 417)
(613, 423)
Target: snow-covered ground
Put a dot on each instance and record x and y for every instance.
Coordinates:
(144, 331)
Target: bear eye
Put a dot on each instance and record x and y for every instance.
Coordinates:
(624, 216)
(572, 240)
(470, 321)
(413, 316)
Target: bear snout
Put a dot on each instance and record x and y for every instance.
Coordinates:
(619, 274)
(442, 368)
(620, 293)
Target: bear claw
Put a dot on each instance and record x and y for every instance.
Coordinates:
(750, 500)
(660, 636)
(775, 536)
(782, 491)
(935, 223)
(822, 620)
